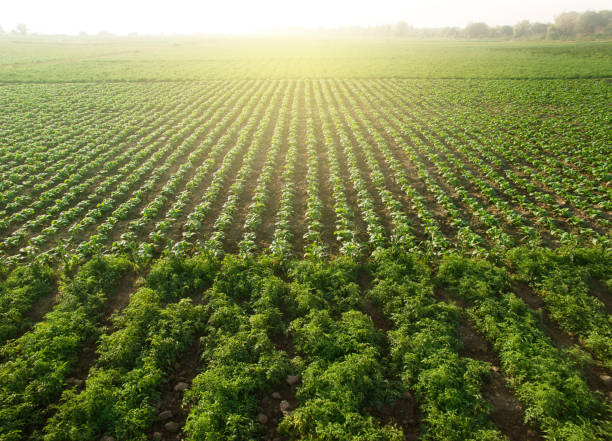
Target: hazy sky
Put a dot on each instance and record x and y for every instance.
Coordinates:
(244, 16)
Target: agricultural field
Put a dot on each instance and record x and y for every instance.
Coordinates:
(243, 239)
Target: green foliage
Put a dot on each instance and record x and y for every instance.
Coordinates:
(134, 361)
(268, 57)
(562, 278)
(322, 285)
(424, 346)
(122, 388)
(341, 352)
(20, 290)
(241, 361)
(392, 153)
(176, 277)
(38, 363)
(249, 305)
(546, 380)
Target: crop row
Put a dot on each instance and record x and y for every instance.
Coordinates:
(302, 349)
(400, 167)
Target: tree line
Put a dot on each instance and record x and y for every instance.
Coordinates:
(567, 25)
(20, 29)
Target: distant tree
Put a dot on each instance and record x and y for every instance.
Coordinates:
(522, 29)
(539, 28)
(607, 15)
(402, 29)
(82, 34)
(385, 29)
(451, 32)
(506, 31)
(567, 23)
(591, 22)
(552, 33)
(477, 30)
(21, 29)
(1, 30)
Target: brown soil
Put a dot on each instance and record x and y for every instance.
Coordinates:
(561, 223)
(380, 320)
(49, 174)
(115, 303)
(121, 296)
(511, 134)
(379, 206)
(118, 300)
(328, 216)
(594, 374)
(349, 189)
(269, 405)
(42, 306)
(188, 176)
(265, 232)
(236, 230)
(86, 360)
(601, 291)
(298, 219)
(184, 372)
(154, 128)
(148, 197)
(91, 228)
(271, 408)
(560, 338)
(563, 340)
(380, 159)
(403, 411)
(217, 206)
(508, 413)
(176, 228)
(87, 354)
(474, 192)
(436, 209)
(97, 175)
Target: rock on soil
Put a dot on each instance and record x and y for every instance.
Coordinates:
(285, 407)
(165, 415)
(180, 387)
(292, 379)
(75, 382)
(171, 426)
